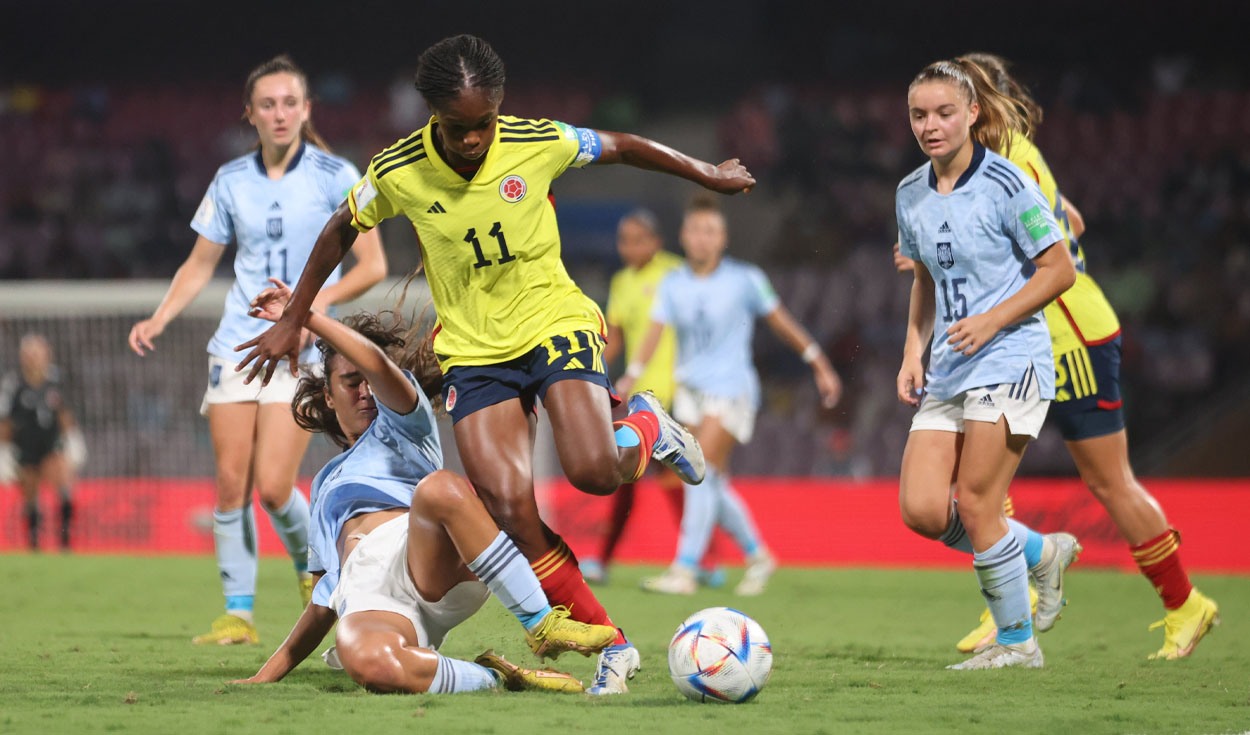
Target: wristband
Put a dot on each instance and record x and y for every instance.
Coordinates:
(811, 352)
(634, 370)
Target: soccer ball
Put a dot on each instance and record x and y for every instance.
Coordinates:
(720, 655)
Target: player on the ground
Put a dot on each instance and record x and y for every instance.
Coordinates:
(404, 577)
(34, 417)
(712, 303)
(982, 239)
(513, 328)
(271, 204)
(630, 296)
(1085, 337)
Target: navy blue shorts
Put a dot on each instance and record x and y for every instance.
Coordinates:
(1087, 392)
(575, 356)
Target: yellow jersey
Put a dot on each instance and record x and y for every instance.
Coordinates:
(490, 244)
(629, 307)
(1082, 316)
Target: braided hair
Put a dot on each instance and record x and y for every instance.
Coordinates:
(458, 63)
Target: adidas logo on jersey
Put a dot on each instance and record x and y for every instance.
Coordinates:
(274, 206)
(436, 209)
(986, 401)
(944, 229)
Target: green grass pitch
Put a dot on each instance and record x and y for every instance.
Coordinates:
(101, 644)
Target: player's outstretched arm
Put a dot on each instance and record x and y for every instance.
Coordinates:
(188, 281)
(369, 270)
(650, 341)
(730, 177)
(282, 340)
(788, 330)
(387, 381)
(309, 631)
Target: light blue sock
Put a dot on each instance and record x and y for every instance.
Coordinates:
(234, 538)
(734, 516)
(508, 575)
(291, 523)
(1004, 579)
(698, 519)
(454, 676)
(956, 537)
(1030, 542)
(627, 437)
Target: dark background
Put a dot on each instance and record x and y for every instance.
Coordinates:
(113, 117)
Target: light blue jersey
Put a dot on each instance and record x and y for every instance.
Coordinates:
(978, 243)
(378, 472)
(273, 225)
(714, 317)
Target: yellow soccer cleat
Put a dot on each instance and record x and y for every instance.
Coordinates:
(1186, 625)
(557, 633)
(306, 584)
(517, 679)
(984, 635)
(228, 630)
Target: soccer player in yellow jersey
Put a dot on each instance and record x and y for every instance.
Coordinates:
(513, 328)
(1085, 337)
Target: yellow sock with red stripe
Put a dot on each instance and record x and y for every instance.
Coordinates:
(1160, 560)
(562, 582)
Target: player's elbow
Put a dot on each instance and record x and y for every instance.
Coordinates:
(1065, 277)
(375, 268)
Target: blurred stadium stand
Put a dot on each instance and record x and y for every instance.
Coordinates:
(100, 178)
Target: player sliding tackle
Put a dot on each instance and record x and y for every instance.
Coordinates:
(514, 329)
(414, 564)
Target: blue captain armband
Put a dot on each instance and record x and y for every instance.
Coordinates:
(589, 146)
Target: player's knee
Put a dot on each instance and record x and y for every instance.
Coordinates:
(928, 522)
(231, 488)
(273, 496)
(1109, 488)
(926, 517)
(378, 670)
(977, 512)
(596, 476)
(442, 495)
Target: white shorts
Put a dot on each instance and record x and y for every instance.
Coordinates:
(737, 415)
(226, 386)
(375, 577)
(1025, 414)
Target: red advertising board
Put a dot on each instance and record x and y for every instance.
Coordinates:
(805, 521)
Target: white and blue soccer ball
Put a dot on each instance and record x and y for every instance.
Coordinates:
(720, 655)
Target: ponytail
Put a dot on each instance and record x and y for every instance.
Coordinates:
(998, 70)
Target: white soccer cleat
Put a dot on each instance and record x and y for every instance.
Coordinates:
(760, 567)
(617, 665)
(1027, 655)
(675, 447)
(674, 581)
(1059, 550)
